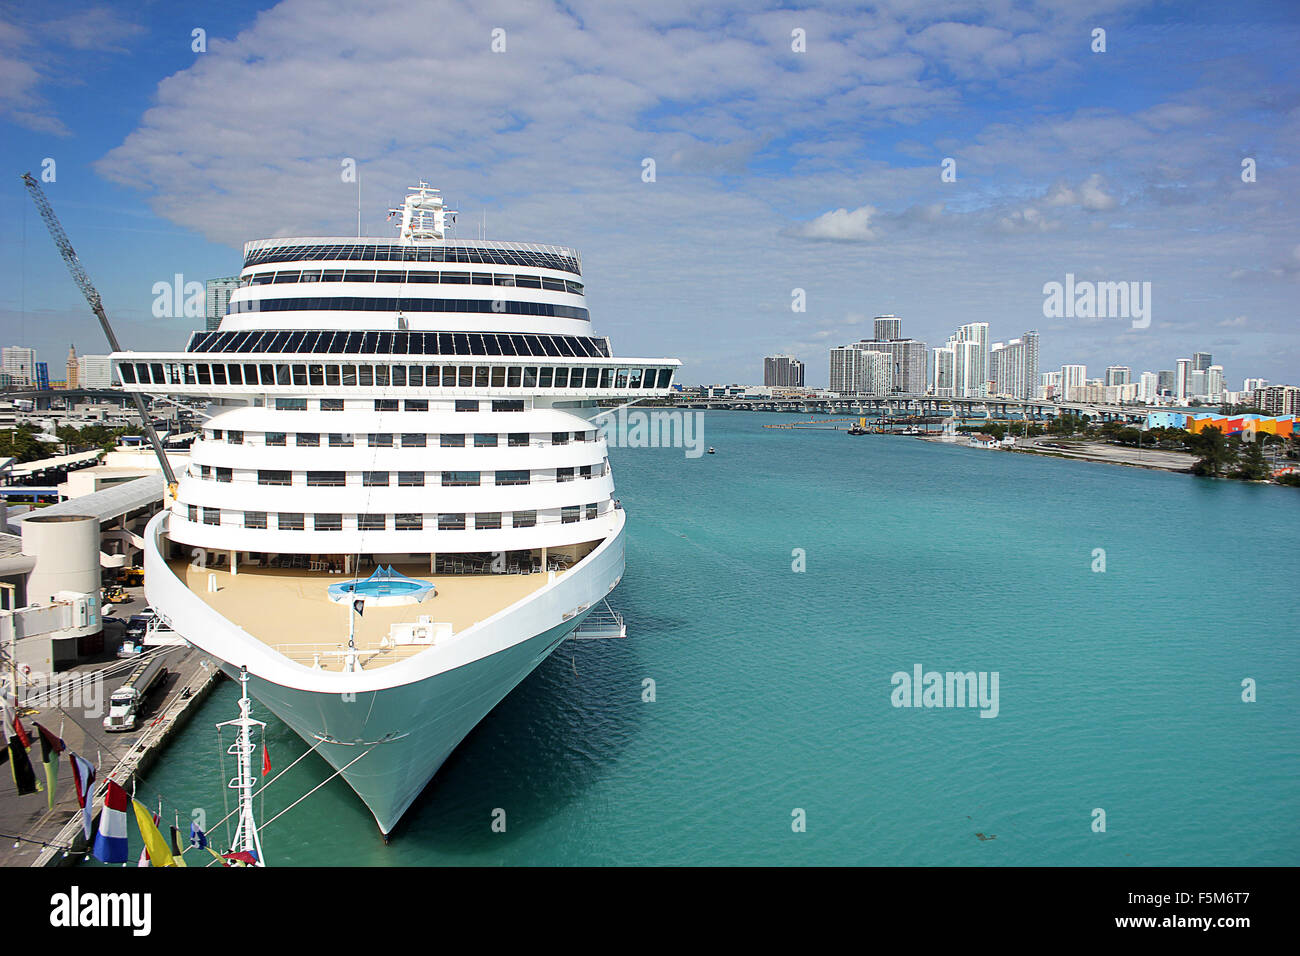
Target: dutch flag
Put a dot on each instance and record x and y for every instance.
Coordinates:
(110, 842)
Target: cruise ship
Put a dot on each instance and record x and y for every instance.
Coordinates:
(400, 502)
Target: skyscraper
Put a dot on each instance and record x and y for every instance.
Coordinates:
(1201, 361)
(1118, 375)
(20, 364)
(1072, 377)
(888, 327)
(218, 299)
(784, 371)
(970, 346)
(1182, 379)
(1165, 382)
(844, 369)
(1013, 368)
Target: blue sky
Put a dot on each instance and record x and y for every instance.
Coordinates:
(775, 169)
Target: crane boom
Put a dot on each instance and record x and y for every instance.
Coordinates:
(88, 289)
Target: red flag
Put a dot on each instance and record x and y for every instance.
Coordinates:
(266, 760)
(21, 734)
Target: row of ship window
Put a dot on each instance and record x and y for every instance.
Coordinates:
(353, 303)
(402, 479)
(413, 253)
(383, 376)
(390, 440)
(393, 404)
(376, 342)
(480, 521)
(510, 279)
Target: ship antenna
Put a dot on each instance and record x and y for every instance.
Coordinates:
(246, 835)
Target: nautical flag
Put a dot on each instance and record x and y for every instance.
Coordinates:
(178, 853)
(154, 844)
(24, 776)
(83, 778)
(19, 732)
(266, 760)
(359, 605)
(110, 842)
(51, 747)
(197, 837)
(246, 857)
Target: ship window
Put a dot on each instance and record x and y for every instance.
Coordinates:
(415, 377)
(408, 522)
(365, 375)
(375, 440)
(559, 438)
(445, 344)
(485, 441)
(456, 278)
(234, 437)
(399, 374)
(452, 441)
(282, 277)
(308, 440)
(413, 440)
(634, 381)
(410, 479)
(569, 514)
(584, 471)
(487, 520)
(268, 477)
(547, 377)
(212, 516)
(381, 375)
(530, 376)
(290, 521)
(332, 275)
(340, 440)
(387, 276)
(254, 519)
(276, 438)
(621, 381)
(431, 375)
(592, 511)
(556, 285)
(351, 344)
(425, 277)
(374, 479)
(466, 405)
(476, 345)
(385, 404)
(448, 376)
(514, 375)
(235, 374)
(480, 376)
(331, 404)
(563, 344)
(460, 479)
(349, 375)
(355, 276)
(517, 439)
(528, 282)
(316, 374)
(498, 376)
(310, 275)
(506, 345)
(503, 280)
(665, 377)
(372, 522)
(416, 404)
(561, 377)
(524, 519)
(329, 522)
(218, 375)
(606, 377)
(291, 404)
(563, 474)
(451, 522)
(480, 278)
(282, 375)
(513, 477)
(508, 405)
(205, 377)
(326, 479)
(295, 340)
(466, 378)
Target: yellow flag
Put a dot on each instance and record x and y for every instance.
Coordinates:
(159, 853)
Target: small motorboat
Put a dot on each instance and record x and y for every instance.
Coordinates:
(711, 451)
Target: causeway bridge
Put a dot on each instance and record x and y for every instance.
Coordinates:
(928, 406)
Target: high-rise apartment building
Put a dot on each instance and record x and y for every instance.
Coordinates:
(1201, 361)
(73, 371)
(1182, 379)
(218, 299)
(784, 371)
(19, 363)
(1118, 375)
(1278, 399)
(1072, 377)
(888, 327)
(1013, 367)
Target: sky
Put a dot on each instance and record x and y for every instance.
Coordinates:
(793, 147)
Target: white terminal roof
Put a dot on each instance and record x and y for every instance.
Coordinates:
(110, 503)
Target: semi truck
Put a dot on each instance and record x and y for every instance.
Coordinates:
(126, 705)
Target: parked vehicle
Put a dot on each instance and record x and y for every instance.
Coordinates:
(131, 577)
(127, 703)
(138, 624)
(116, 595)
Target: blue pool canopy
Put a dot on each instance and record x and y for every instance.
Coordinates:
(384, 582)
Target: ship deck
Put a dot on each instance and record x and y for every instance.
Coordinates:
(290, 611)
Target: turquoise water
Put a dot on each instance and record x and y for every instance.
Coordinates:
(1118, 690)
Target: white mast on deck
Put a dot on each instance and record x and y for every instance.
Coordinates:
(424, 214)
(246, 837)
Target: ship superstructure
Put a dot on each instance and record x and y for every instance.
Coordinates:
(422, 408)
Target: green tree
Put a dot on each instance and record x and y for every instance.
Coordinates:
(1251, 464)
(1215, 453)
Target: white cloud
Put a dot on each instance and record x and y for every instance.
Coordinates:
(841, 225)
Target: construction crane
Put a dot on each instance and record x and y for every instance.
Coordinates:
(97, 306)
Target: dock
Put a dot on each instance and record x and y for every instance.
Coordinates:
(55, 837)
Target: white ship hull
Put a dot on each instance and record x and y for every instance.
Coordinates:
(405, 718)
